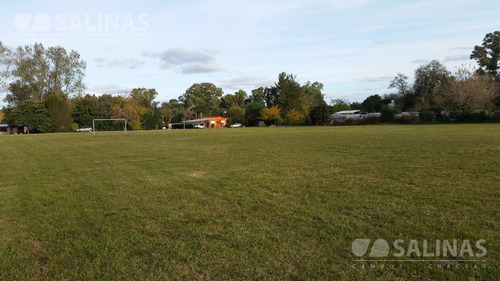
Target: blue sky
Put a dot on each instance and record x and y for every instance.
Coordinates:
(353, 47)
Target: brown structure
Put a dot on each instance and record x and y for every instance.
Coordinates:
(210, 122)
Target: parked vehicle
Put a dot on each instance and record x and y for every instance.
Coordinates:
(199, 126)
(84, 129)
(236, 125)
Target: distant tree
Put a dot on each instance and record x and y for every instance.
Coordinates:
(32, 114)
(271, 96)
(291, 94)
(151, 121)
(5, 65)
(203, 98)
(469, 91)
(144, 97)
(356, 106)
(401, 104)
(405, 97)
(85, 109)
(129, 109)
(38, 72)
(172, 111)
(59, 110)
(252, 113)
(339, 105)
(236, 113)
(167, 114)
(257, 96)
(238, 98)
(313, 94)
(400, 83)
(293, 116)
(271, 114)
(373, 103)
(488, 54)
(430, 82)
(320, 115)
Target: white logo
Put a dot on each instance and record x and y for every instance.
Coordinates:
(380, 248)
(83, 23)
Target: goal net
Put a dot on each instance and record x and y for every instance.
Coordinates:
(112, 125)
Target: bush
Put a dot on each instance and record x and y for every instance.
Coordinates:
(427, 116)
(475, 116)
(387, 116)
(369, 120)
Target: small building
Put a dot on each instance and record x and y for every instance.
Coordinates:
(6, 129)
(348, 114)
(210, 122)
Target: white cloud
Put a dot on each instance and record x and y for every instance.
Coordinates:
(201, 68)
(375, 79)
(186, 61)
(248, 82)
(420, 61)
(464, 57)
(110, 90)
(126, 63)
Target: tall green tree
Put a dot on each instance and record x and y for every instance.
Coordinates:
(339, 105)
(172, 111)
(59, 110)
(85, 109)
(252, 113)
(236, 113)
(238, 99)
(271, 96)
(144, 97)
(400, 83)
(313, 94)
(405, 97)
(430, 82)
(488, 54)
(257, 95)
(373, 103)
(5, 65)
(38, 72)
(319, 115)
(204, 98)
(32, 114)
(291, 94)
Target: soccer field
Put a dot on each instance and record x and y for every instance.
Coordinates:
(282, 203)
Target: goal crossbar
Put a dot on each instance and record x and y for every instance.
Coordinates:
(118, 119)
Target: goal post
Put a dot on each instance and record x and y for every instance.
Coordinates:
(117, 119)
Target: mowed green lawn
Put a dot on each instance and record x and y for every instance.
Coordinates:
(246, 204)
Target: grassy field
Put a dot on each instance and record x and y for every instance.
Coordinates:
(247, 204)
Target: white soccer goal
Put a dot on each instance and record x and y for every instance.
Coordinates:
(124, 123)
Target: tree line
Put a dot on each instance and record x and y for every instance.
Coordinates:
(437, 94)
(45, 92)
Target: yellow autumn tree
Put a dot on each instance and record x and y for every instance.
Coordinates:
(271, 114)
(293, 116)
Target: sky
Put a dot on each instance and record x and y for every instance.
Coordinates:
(354, 47)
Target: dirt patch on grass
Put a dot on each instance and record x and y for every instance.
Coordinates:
(197, 175)
(109, 213)
(1, 159)
(37, 247)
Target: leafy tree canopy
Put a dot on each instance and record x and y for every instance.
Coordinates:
(488, 54)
